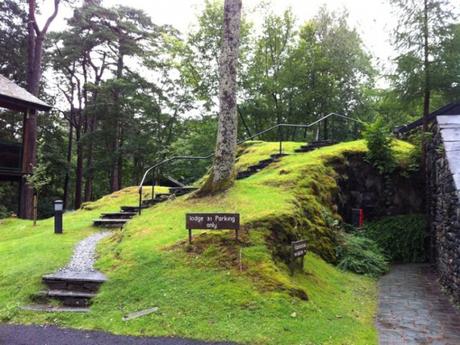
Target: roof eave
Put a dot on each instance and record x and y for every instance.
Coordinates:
(21, 105)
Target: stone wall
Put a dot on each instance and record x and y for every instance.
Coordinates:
(361, 186)
(444, 207)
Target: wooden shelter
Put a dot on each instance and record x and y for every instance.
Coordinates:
(17, 159)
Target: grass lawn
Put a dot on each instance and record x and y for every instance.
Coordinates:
(200, 290)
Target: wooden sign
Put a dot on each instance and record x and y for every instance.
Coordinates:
(299, 248)
(212, 221)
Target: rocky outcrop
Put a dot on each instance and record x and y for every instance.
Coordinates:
(443, 169)
(362, 186)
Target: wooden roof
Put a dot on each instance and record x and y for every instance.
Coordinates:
(449, 109)
(15, 97)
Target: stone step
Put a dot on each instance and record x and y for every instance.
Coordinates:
(110, 222)
(118, 215)
(278, 155)
(178, 191)
(243, 174)
(315, 144)
(87, 282)
(151, 202)
(54, 309)
(132, 208)
(71, 298)
(267, 161)
(256, 168)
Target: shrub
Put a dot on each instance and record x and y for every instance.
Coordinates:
(402, 238)
(361, 255)
(4, 212)
(379, 142)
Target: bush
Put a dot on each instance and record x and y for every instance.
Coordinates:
(402, 238)
(4, 212)
(379, 142)
(361, 255)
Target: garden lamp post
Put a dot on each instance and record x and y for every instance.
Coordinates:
(58, 209)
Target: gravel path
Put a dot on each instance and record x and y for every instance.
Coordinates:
(84, 254)
(50, 335)
(414, 311)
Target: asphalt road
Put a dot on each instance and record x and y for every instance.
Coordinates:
(50, 335)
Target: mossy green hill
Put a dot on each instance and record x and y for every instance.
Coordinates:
(204, 291)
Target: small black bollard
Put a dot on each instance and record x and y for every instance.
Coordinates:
(357, 217)
(58, 209)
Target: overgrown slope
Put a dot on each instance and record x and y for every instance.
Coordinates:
(202, 290)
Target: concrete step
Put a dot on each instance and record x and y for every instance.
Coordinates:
(86, 282)
(278, 155)
(267, 161)
(178, 191)
(132, 208)
(118, 215)
(243, 174)
(110, 222)
(71, 298)
(315, 145)
(54, 309)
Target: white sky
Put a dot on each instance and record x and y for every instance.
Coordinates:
(372, 18)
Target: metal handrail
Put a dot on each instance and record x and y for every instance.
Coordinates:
(280, 125)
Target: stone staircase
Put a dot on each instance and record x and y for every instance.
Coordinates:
(118, 219)
(315, 145)
(71, 289)
(253, 169)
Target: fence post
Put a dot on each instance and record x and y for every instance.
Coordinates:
(280, 140)
(140, 199)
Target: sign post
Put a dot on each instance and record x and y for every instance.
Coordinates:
(212, 221)
(298, 250)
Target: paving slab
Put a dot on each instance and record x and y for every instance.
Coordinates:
(413, 310)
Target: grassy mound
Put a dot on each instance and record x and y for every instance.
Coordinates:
(216, 288)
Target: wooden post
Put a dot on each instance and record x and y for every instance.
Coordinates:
(35, 205)
(190, 236)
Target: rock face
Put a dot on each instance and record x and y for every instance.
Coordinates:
(443, 173)
(361, 186)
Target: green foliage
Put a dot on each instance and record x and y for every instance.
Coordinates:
(402, 238)
(415, 155)
(3, 212)
(361, 255)
(379, 144)
(415, 74)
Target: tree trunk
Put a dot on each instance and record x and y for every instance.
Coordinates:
(89, 161)
(222, 175)
(116, 168)
(79, 170)
(34, 70)
(69, 162)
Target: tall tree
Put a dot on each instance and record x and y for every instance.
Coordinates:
(222, 175)
(35, 40)
(422, 26)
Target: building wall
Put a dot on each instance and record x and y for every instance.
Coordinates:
(444, 207)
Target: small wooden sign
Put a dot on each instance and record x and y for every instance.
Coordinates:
(212, 221)
(299, 248)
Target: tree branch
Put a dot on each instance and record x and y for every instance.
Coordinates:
(51, 18)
